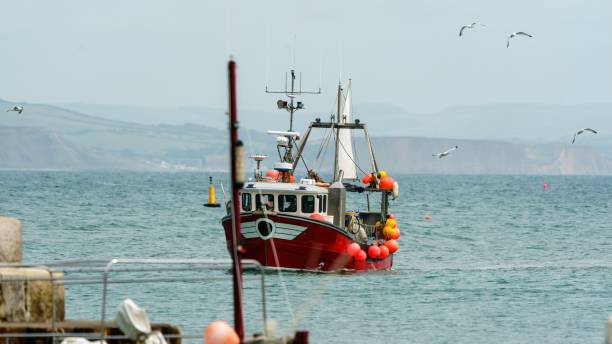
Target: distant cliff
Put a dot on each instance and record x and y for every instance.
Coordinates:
(50, 137)
(35, 148)
(414, 155)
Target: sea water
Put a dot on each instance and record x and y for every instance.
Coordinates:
(501, 260)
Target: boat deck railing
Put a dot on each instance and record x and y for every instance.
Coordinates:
(104, 273)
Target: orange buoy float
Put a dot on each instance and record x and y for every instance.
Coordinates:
(391, 222)
(381, 174)
(391, 245)
(361, 256)
(395, 234)
(373, 251)
(367, 179)
(220, 332)
(391, 216)
(386, 183)
(272, 174)
(384, 252)
(317, 216)
(353, 249)
(387, 231)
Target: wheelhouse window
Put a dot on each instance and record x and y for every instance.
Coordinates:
(267, 200)
(287, 203)
(246, 201)
(308, 204)
(322, 203)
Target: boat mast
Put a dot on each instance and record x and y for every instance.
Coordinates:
(336, 172)
(288, 152)
(237, 175)
(292, 106)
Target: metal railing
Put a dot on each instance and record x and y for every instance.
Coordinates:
(92, 272)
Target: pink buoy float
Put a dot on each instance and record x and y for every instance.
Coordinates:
(220, 332)
(353, 249)
(545, 186)
(428, 217)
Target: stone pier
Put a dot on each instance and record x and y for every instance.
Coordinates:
(10, 240)
(26, 294)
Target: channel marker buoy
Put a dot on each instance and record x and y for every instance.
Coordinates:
(211, 196)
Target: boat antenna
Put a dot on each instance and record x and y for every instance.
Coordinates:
(228, 27)
(237, 181)
(291, 106)
(267, 54)
(340, 63)
(320, 67)
(294, 48)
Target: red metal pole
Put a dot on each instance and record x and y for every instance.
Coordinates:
(237, 172)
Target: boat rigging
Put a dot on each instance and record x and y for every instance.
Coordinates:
(304, 224)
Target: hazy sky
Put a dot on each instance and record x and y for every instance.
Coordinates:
(408, 53)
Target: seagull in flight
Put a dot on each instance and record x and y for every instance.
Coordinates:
(582, 131)
(443, 154)
(471, 26)
(16, 108)
(519, 33)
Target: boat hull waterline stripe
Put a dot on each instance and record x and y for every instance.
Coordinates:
(283, 231)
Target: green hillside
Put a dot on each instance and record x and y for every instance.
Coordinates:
(192, 145)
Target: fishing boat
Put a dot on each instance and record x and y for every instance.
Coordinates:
(303, 224)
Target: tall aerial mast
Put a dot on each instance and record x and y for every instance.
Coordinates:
(291, 106)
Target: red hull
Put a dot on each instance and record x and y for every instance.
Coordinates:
(291, 242)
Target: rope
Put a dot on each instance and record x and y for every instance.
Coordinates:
(301, 156)
(349, 156)
(324, 142)
(304, 161)
(283, 285)
(324, 145)
(353, 142)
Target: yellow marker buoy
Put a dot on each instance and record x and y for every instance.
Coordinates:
(211, 196)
